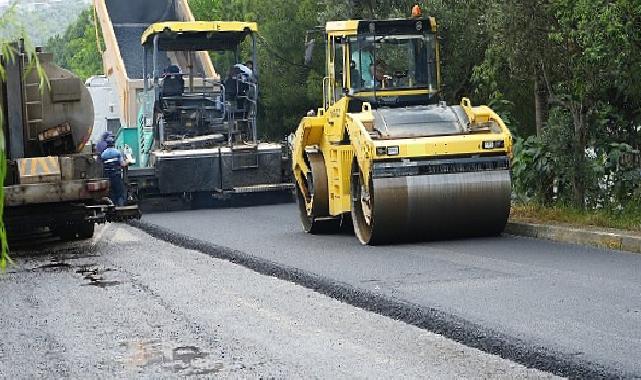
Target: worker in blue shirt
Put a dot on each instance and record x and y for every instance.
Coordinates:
(364, 59)
(113, 163)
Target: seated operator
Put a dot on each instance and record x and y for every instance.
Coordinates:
(231, 84)
(237, 78)
(363, 59)
(173, 83)
(378, 73)
(355, 75)
(250, 65)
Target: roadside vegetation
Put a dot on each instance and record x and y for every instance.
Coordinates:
(564, 75)
(11, 30)
(624, 219)
(7, 25)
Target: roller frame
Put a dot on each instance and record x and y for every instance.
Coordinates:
(438, 150)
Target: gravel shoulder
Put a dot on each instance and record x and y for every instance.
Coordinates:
(127, 305)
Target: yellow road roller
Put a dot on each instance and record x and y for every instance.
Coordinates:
(385, 155)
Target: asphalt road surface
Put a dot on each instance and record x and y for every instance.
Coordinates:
(127, 305)
(567, 309)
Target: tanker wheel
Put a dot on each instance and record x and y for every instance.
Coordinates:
(362, 207)
(314, 209)
(86, 230)
(75, 231)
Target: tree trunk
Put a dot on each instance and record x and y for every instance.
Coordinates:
(580, 142)
(540, 104)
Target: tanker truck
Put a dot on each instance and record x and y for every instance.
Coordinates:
(54, 182)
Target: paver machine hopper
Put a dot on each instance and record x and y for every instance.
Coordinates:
(384, 154)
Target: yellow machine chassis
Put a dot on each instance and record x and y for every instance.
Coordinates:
(202, 27)
(322, 133)
(342, 168)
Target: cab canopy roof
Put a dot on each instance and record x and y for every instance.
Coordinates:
(198, 35)
(386, 27)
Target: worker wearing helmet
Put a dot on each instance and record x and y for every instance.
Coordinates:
(102, 144)
(113, 163)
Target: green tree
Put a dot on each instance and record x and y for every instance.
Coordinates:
(47, 18)
(77, 49)
(570, 66)
(284, 79)
(585, 73)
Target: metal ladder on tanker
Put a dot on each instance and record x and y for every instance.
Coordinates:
(34, 108)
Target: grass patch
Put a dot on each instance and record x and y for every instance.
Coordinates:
(626, 219)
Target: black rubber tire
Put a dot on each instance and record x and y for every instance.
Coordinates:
(313, 225)
(86, 230)
(318, 222)
(363, 231)
(67, 233)
(77, 231)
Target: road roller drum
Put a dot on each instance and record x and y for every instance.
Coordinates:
(430, 207)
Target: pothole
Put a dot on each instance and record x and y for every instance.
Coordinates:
(183, 360)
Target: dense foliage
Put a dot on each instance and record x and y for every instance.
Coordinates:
(288, 88)
(564, 74)
(77, 49)
(40, 20)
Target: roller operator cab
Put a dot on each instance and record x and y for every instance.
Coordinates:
(385, 155)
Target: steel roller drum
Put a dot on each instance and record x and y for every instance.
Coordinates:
(429, 207)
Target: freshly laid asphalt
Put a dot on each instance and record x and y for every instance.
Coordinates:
(126, 305)
(571, 310)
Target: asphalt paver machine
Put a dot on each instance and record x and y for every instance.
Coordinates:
(190, 132)
(385, 155)
(204, 130)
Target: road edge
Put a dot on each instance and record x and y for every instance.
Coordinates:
(599, 238)
(424, 317)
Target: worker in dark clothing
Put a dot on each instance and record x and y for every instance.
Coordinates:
(173, 83)
(113, 164)
(172, 69)
(231, 84)
(102, 144)
(355, 75)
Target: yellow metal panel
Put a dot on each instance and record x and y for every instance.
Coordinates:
(433, 23)
(343, 28)
(197, 26)
(39, 170)
(383, 92)
(339, 163)
(442, 145)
